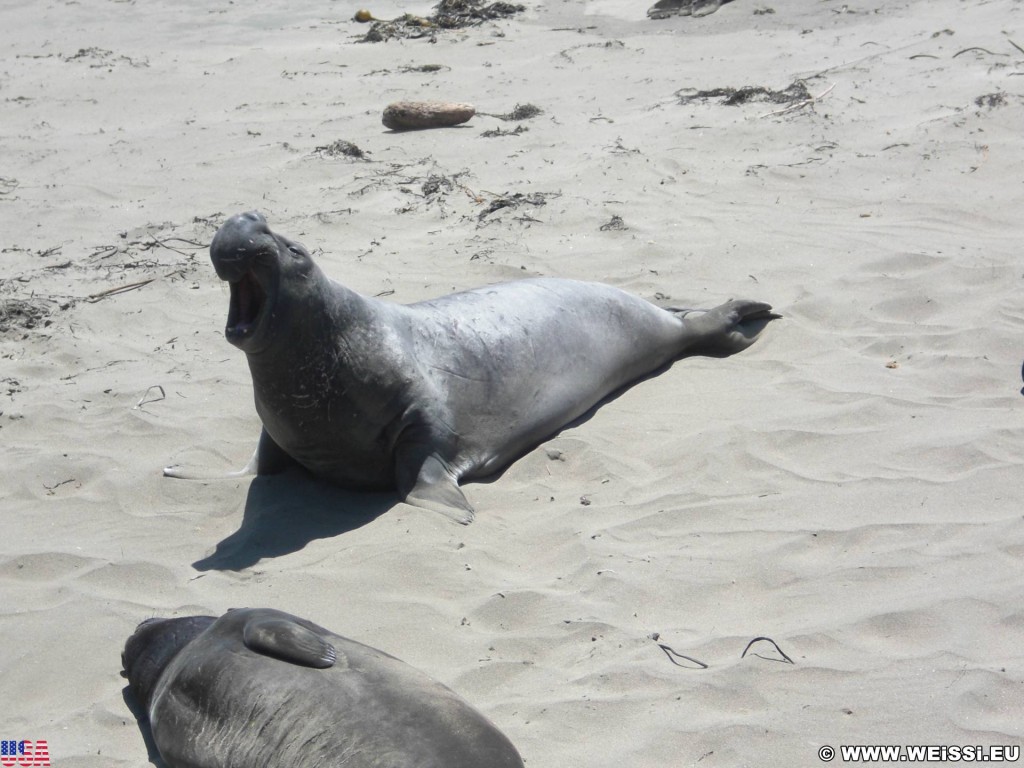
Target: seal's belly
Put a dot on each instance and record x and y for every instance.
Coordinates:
(360, 470)
(335, 439)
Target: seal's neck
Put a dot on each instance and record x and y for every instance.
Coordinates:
(311, 326)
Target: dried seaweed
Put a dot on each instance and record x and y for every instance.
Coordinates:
(456, 14)
(732, 97)
(448, 14)
(24, 314)
(991, 100)
(614, 224)
(519, 112)
(515, 200)
(341, 147)
(438, 184)
(493, 132)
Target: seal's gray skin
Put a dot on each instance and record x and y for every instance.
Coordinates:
(374, 395)
(259, 688)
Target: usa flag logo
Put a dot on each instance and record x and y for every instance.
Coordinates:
(23, 752)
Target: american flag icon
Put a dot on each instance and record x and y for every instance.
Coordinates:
(23, 752)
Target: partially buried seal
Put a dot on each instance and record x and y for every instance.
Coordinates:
(259, 688)
(374, 395)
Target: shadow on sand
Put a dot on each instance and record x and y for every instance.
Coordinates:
(142, 718)
(285, 512)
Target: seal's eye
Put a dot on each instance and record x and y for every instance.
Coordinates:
(296, 251)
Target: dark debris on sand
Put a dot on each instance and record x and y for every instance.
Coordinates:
(991, 100)
(732, 97)
(341, 147)
(456, 14)
(448, 14)
(494, 132)
(615, 224)
(519, 112)
(515, 200)
(18, 314)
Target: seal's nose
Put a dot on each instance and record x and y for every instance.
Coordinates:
(243, 224)
(237, 241)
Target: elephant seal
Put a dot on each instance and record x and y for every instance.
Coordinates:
(373, 395)
(259, 688)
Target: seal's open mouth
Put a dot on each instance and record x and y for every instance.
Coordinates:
(247, 301)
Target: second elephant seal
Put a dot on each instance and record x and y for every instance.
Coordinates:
(259, 688)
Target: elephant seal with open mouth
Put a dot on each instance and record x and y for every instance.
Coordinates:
(374, 395)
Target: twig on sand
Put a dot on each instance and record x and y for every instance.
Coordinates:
(144, 401)
(673, 655)
(784, 658)
(977, 48)
(155, 241)
(801, 104)
(93, 298)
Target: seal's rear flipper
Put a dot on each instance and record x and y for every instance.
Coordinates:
(434, 488)
(268, 459)
(727, 329)
(285, 640)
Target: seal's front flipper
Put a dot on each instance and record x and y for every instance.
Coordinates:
(268, 459)
(186, 473)
(285, 640)
(446, 498)
(432, 486)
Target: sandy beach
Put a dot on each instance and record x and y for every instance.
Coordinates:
(847, 488)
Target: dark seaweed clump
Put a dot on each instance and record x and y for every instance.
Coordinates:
(448, 14)
(731, 97)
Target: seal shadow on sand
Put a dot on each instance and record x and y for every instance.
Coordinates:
(142, 719)
(287, 511)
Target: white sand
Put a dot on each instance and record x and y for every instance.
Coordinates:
(848, 487)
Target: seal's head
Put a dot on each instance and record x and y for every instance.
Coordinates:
(256, 262)
(152, 647)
